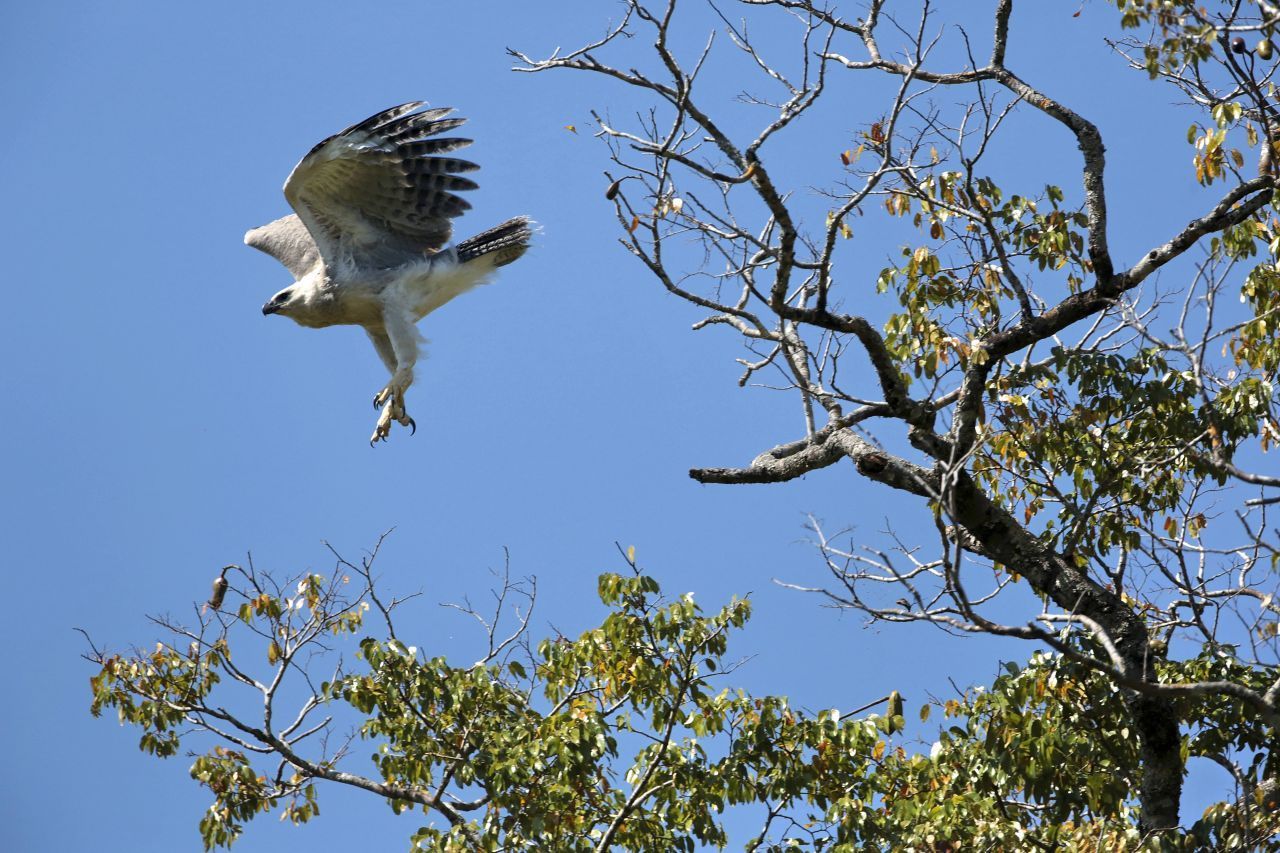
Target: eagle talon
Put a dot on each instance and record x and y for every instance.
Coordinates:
(413, 427)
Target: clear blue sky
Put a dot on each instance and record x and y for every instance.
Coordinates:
(157, 426)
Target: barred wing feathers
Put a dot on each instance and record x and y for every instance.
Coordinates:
(378, 194)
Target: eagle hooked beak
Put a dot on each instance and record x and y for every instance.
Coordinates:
(276, 303)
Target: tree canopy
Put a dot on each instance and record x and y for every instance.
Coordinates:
(1084, 436)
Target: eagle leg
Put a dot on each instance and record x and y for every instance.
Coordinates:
(392, 410)
(397, 345)
(399, 383)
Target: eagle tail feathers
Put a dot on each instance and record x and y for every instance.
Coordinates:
(505, 242)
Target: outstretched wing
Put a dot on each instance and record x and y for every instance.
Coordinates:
(377, 194)
(288, 241)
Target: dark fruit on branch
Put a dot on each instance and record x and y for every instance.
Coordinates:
(1237, 44)
(219, 592)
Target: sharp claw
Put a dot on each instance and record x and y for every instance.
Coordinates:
(413, 427)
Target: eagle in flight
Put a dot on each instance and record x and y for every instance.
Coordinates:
(368, 243)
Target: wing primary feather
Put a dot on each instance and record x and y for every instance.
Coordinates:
(426, 147)
(438, 165)
(379, 121)
(449, 183)
(411, 130)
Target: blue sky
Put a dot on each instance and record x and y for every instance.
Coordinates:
(158, 426)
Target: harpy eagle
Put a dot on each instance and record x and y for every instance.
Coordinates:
(368, 242)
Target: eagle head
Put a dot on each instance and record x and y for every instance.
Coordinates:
(281, 302)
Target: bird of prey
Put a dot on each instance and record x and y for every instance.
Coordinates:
(368, 242)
